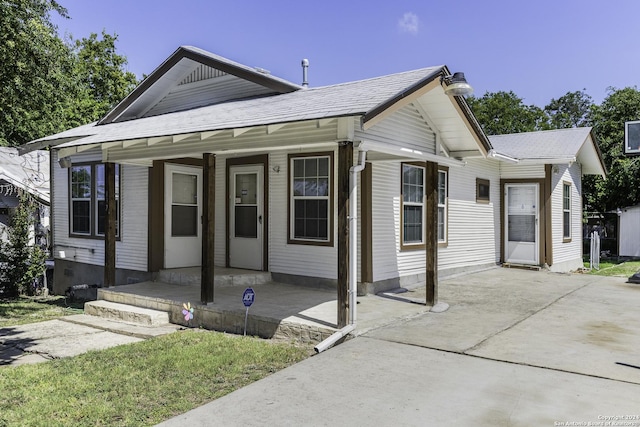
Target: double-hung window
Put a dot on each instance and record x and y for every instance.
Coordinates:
(566, 211)
(310, 199)
(443, 185)
(88, 207)
(413, 206)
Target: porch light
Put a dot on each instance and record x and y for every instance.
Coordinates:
(65, 162)
(456, 85)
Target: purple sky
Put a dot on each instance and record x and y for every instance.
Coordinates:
(539, 49)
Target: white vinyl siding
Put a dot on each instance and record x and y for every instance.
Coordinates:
(567, 255)
(406, 128)
(131, 249)
(294, 259)
(521, 171)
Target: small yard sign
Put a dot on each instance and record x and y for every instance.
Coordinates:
(248, 297)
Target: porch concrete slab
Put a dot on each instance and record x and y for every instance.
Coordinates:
(55, 339)
(275, 303)
(366, 382)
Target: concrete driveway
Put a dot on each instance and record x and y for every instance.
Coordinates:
(516, 348)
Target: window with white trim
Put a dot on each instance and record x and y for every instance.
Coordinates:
(88, 200)
(413, 207)
(310, 199)
(442, 205)
(566, 211)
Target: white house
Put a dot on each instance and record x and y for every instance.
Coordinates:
(28, 173)
(219, 164)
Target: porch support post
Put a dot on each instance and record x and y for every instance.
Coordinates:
(208, 227)
(431, 243)
(110, 225)
(345, 161)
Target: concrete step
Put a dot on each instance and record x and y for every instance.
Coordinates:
(126, 313)
(122, 328)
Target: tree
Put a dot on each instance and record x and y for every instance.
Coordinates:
(570, 110)
(504, 112)
(48, 85)
(100, 78)
(34, 72)
(622, 187)
(21, 260)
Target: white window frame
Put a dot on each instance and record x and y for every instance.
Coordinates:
(412, 244)
(328, 241)
(566, 211)
(443, 174)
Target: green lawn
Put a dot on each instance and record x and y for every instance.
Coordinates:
(136, 384)
(616, 268)
(35, 309)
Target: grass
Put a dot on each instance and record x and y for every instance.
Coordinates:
(35, 309)
(616, 268)
(138, 384)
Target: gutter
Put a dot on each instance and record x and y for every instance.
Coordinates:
(353, 254)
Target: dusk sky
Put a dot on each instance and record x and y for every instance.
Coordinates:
(538, 49)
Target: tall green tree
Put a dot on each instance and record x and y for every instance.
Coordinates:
(34, 69)
(100, 78)
(21, 260)
(622, 187)
(571, 110)
(48, 85)
(504, 112)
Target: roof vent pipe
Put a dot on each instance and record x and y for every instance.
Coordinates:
(305, 69)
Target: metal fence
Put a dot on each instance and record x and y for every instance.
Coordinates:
(594, 254)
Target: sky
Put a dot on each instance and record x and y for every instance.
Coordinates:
(539, 49)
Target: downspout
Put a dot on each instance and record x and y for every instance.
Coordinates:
(353, 254)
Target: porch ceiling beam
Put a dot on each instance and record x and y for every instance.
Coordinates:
(346, 129)
(68, 151)
(172, 151)
(81, 148)
(178, 138)
(134, 142)
(240, 131)
(209, 134)
(325, 122)
(274, 128)
(157, 139)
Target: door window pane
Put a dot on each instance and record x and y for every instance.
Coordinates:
(246, 188)
(246, 221)
(184, 189)
(184, 220)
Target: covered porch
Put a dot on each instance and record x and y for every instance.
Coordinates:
(303, 314)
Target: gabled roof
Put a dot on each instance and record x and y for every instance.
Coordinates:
(553, 146)
(190, 64)
(372, 100)
(29, 172)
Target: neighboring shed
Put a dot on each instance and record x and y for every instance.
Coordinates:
(629, 232)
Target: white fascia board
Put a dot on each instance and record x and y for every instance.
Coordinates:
(408, 153)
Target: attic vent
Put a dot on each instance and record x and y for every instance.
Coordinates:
(203, 72)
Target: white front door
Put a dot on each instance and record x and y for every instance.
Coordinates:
(521, 224)
(246, 211)
(183, 213)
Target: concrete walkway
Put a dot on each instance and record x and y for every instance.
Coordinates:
(516, 348)
(68, 336)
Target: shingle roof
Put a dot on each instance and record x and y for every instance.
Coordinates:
(562, 143)
(346, 99)
(29, 172)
